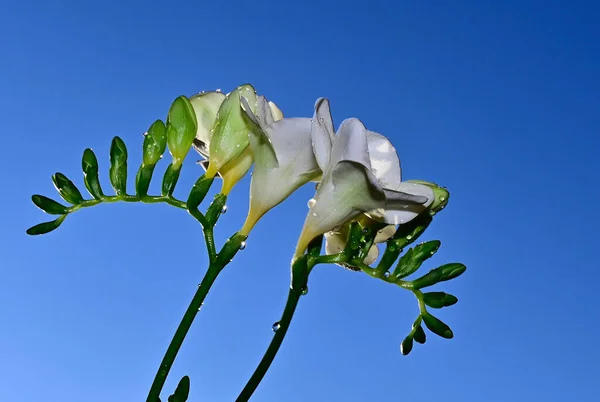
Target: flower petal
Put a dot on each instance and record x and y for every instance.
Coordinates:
(406, 204)
(275, 111)
(372, 255)
(385, 234)
(335, 242)
(206, 106)
(350, 144)
(259, 123)
(384, 160)
(322, 132)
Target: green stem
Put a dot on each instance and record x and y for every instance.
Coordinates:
(181, 332)
(265, 363)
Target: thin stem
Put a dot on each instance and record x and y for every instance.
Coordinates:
(281, 329)
(148, 199)
(181, 332)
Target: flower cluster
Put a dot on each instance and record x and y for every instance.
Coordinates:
(357, 170)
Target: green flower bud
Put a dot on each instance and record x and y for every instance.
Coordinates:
(118, 166)
(155, 143)
(67, 190)
(181, 129)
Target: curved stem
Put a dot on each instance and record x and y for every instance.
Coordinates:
(181, 332)
(265, 363)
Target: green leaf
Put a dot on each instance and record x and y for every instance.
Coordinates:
(198, 192)
(67, 190)
(181, 128)
(406, 345)
(170, 179)
(412, 260)
(437, 326)
(45, 227)
(182, 391)
(439, 299)
(48, 205)
(89, 165)
(118, 166)
(155, 143)
(419, 334)
(440, 274)
(142, 179)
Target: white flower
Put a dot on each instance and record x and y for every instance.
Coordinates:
(283, 156)
(361, 174)
(222, 135)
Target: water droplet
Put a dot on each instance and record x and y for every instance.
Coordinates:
(392, 247)
(408, 237)
(386, 274)
(304, 290)
(276, 326)
(314, 214)
(145, 134)
(238, 145)
(218, 90)
(432, 212)
(224, 209)
(366, 231)
(242, 245)
(442, 198)
(311, 202)
(321, 120)
(432, 252)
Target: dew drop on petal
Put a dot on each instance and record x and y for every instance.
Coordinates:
(276, 326)
(311, 202)
(314, 214)
(218, 90)
(224, 209)
(242, 245)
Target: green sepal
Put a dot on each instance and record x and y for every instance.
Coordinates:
(230, 249)
(409, 232)
(45, 227)
(215, 209)
(118, 166)
(67, 190)
(355, 236)
(155, 143)
(414, 258)
(142, 179)
(181, 128)
(89, 165)
(48, 205)
(436, 326)
(440, 274)
(170, 179)
(439, 299)
(182, 391)
(300, 273)
(419, 334)
(406, 345)
(198, 192)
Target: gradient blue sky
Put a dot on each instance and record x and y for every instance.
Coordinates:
(498, 101)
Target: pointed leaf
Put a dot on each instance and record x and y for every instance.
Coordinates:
(45, 227)
(412, 260)
(89, 165)
(118, 166)
(67, 190)
(48, 205)
(439, 299)
(437, 326)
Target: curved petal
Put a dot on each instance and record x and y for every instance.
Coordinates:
(385, 164)
(259, 140)
(372, 255)
(404, 205)
(385, 234)
(206, 106)
(335, 242)
(275, 111)
(322, 132)
(350, 144)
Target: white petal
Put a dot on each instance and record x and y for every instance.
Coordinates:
(372, 255)
(275, 111)
(335, 242)
(259, 141)
(350, 144)
(206, 105)
(385, 234)
(399, 209)
(384, 160)
(322, 132)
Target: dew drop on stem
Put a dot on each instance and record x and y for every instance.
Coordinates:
(276, 326)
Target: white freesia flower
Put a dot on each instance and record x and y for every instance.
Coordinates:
(361, 174)
(222, 135)
(284, 159)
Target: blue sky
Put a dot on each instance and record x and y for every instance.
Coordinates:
(498, 101)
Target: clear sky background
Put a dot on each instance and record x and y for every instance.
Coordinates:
(497, 100)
